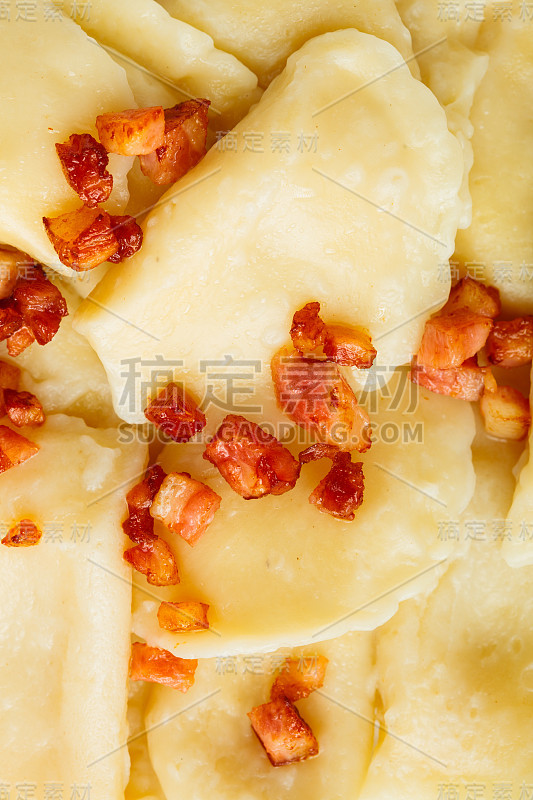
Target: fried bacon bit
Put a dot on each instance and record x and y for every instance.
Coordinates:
(307, 330)
(284, 735)
(130, 238)
(176, 413)
(349, 347)
(186, 506)
(184, 142)
(475, 297)
(506, 413)
(83, 238)
(9, 264)
(183, 617)
(450, 339)
(40, 303)
(466, 382)
(24, 534)
(251, 460)
(10, 320)
(19, 341)
(155, 559)
(23, 408)
(160, 666)
(299, 677)
(340, 493)
(139, 525)
(313, 393)
(14, 448)
(9, 376)
(84, 162)
(135, 132)
(510, 343)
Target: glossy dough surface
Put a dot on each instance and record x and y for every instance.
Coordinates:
(207, 748)
(276, 571)
(263, 35)
(54, 82)
(142, 30)
(66, 613)
(355, 228)
(455, 668)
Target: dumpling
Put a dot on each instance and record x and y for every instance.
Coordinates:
(263, 35)
(276, 571)
(455, 669)
(54, 82)
(498, 247)
(142, 30)
(201, 744)
(66, 614)
(358, 208)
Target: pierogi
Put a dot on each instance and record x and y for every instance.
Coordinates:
(142, 30)
(201, 744)
(276, 571)
(365, 230)
(264, 35)
(66, 613)
(55, 81)
(455, 668)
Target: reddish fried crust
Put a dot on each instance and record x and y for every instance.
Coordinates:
(510, 343)
(155, 560)
(84, 162)
(506, 413)
(186, 506)
(183, 617)
(313, 393)
(14, 448)
(285, 736)
(20, 341)
(473, 296)
(134, 132)
(24, 534)
(349, 346)
(340, 493)
(184, 143)
(299, 677)
(176, 413)
(307, 329)
(83, 239)
(450, 339)
(139, 526)
(251, 460)
(130, 238)
(23, 408)
(160, 666)
(40, 303)
(466, 382)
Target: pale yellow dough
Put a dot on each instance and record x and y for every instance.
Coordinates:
(54, 82)
(499, 244)
(518, 546)
(263, 35)
(278, 572)
(202, 746)
(142, 30)
(360, 214)
(444, 45)
(66, 374)
(66, 613)
(455, 669)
